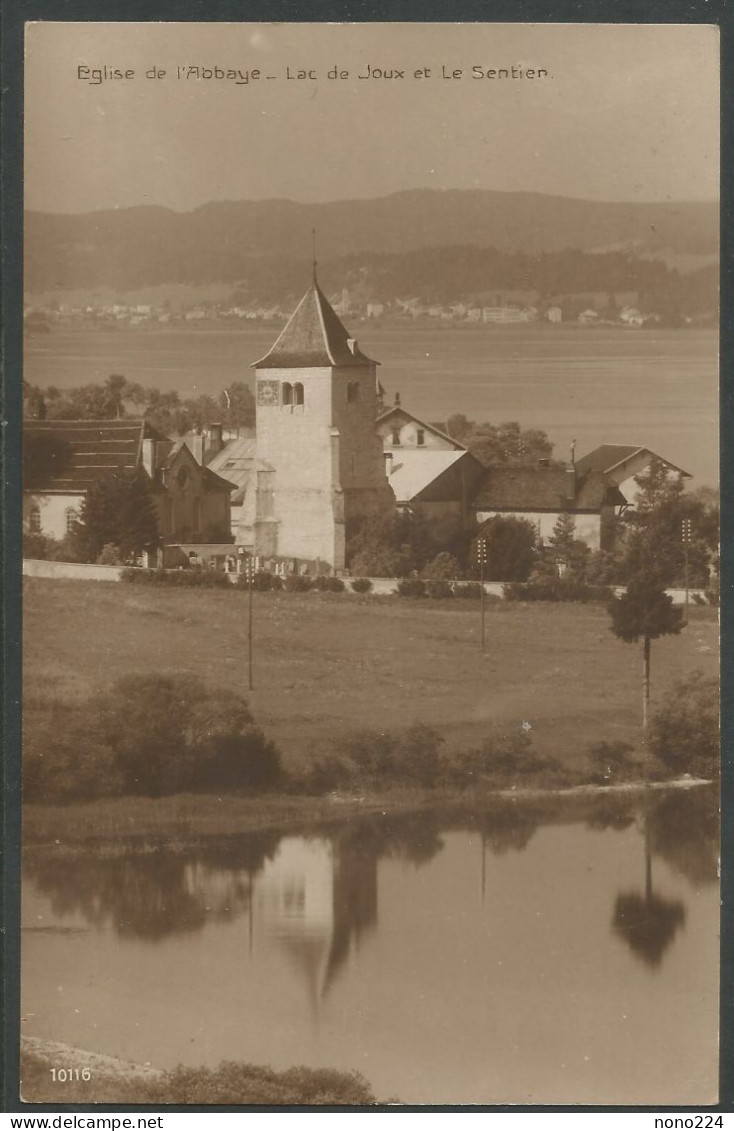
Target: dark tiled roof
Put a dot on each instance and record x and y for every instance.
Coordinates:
(608, 456)
(85, 450)
(532, 488)
(313, 336)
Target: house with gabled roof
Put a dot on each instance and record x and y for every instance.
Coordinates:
(68, 456)
(621, 463)
(540, 493)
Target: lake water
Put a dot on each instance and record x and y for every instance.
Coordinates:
(528, 954)
(657, 388)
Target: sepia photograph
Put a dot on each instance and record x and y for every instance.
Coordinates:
(370, 564)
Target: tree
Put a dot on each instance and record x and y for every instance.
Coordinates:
(684, 733)
(117, 509)
(653, 541)
(647, 922)
(503, 443)
(139, 518)
(115, 386)
(237, 406)
(644, 612)
(510, 550)
(393, 543)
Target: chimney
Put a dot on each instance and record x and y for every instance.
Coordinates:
(397, 400)
(571, 484)
(149, 460)
(216, 441)
(573, 452)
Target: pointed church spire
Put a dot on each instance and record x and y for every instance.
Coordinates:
(313, 337)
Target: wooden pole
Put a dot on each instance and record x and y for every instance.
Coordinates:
(645, 685)
(481, 582)
(250, 579)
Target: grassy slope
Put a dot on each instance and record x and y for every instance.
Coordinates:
(325, 664)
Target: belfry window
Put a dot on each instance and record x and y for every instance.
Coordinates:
(287, 393)
(353, 391)
(298, 393)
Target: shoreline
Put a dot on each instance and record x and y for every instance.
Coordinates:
(182, 819)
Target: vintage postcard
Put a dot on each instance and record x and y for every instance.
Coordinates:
(371, 574)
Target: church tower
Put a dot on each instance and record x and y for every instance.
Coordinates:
(320, 461)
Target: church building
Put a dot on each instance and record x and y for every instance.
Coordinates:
(320, 466)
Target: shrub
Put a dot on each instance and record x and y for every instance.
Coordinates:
(470, 590)
(63, 759)
(444, 567)
(504, 758)
(110, 555)
(233, 1083)
(411, 587)
(298, 583)
(555, 589)
(38, 546)
(328, 584)
(179, 578)
(611, 762)
(713, 593)
(238, 761)
(510, 548)
(410, 756)
(684, 733)
(262, 582)
(438, 589)
(361, 584)
(325, 775)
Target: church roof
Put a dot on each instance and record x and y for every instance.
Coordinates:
(73, 454)
(313, 337)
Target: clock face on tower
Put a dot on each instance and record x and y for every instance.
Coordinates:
(268, 392)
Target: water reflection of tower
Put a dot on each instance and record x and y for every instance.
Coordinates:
(318, 898)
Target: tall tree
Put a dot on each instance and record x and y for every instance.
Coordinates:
(644, 612)
(116, 510)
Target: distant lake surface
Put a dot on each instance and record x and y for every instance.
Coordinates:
(526, 954)
(657, 388)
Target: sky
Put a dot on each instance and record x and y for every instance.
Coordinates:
(625, 112)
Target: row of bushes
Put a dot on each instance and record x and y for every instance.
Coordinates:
(154, 735)
(264, 581)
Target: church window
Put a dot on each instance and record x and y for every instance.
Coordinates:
(353, 391)
(287, 393)
(35, 520)
(396, 437)
(421, 437)
(298, 393)
(72, 516)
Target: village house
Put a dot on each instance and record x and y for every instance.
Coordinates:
(192, 502)
(542, 492)
(621, 463)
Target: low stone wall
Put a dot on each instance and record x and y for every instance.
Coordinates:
(382, 586)
(76, 570)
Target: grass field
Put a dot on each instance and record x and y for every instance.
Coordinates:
(326, 664)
